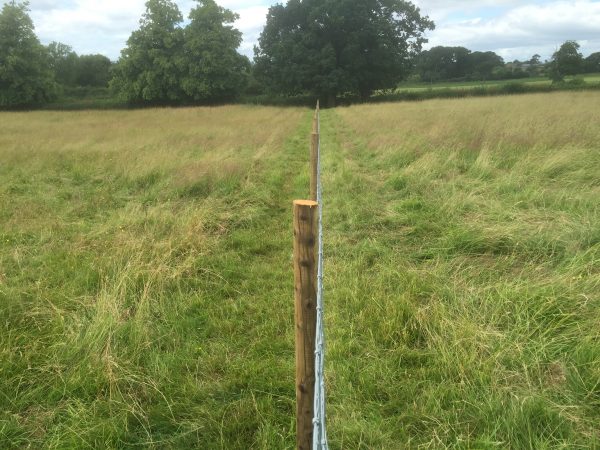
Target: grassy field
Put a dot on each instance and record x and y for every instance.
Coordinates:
(146, 287)
(591, 78)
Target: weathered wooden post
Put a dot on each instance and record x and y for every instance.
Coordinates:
(305, 293)
(314, 165)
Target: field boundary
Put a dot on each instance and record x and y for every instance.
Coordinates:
(308, 285)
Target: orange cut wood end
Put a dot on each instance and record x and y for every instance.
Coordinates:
(305, 203)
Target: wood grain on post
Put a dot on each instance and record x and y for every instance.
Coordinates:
(305, 293)
(314, 165)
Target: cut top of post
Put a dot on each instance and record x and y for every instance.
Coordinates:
(306, 203)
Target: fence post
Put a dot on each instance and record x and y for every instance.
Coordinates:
(305, 293)
(314, 165)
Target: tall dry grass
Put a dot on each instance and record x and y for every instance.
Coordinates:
(464, 273)
(136, 277)
(146, 285)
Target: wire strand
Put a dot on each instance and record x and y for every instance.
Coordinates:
(319, 420)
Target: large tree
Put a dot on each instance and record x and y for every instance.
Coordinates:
(25, 74)
(483, 64)
(71, 69)
(443, 63)
(566, 61)
(592, 63)
(151, 66)
(93, 70)
(333, 47)
(214, 70)
(63, 61)
(457, 63)
(165, 63)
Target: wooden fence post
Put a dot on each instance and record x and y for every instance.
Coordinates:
(305, 293)
(314, 165)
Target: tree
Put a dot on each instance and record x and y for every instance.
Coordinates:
(214, 70)
(566, 61)
(592, 63)
(151, 66)
(73, 70)
(93, 71)
(481, 65)
(63, 62)
(535, 60)
(536, 66)
(25, 74)
(443, 63)
(333, 47)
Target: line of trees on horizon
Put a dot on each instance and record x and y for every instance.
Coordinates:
(326, 48)
(461, 64)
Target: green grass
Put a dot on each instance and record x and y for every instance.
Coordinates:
(146, 290)
(533, 81)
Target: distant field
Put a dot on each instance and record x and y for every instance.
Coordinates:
(146, 291)
(534, 81)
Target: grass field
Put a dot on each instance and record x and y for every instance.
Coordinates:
(590, 78)
(146, 295)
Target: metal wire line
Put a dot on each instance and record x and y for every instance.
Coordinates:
(319, 420)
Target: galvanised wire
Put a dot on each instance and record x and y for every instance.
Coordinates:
(319, 428)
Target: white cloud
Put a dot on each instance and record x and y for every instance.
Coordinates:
(92, 26)
(521, 31)
(513, 28)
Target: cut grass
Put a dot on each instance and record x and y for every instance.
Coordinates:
(591, 78)
(146, 286)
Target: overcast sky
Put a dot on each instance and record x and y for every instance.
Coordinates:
(515, 29)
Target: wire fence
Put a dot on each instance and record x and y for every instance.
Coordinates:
(319, 418)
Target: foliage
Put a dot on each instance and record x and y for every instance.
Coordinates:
(592, 63)
(442, 63)
(333, 47)
(482, 65)
(63, 62)
(25, 74)
(72, 70)
(165, 63)
(214, 70)
(458, 63)
(151, 66)
(567, 60)
(93, 71)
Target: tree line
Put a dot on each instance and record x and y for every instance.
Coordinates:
(461, 64)
(327, 48)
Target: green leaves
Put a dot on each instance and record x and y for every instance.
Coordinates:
(25, 75)
(165, 63)
(214, 70)
(451, 63)
(566, 61)
(333, 47)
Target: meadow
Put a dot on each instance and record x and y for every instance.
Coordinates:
(590, 79)
(146, 286)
